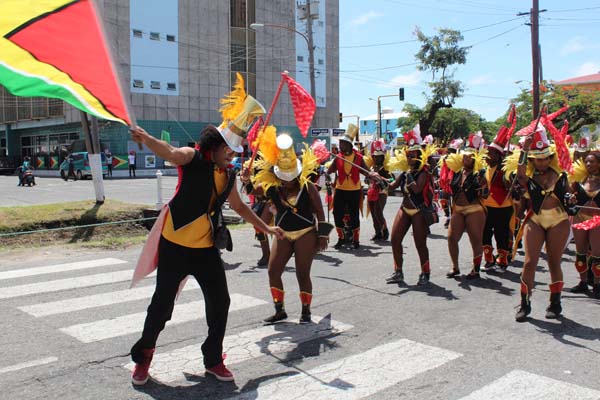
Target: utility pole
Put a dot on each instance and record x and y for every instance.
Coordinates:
(311, 50)
(534, 15)
(92, 144)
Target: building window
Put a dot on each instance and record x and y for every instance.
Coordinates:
(320, 23)
(155, 84)
(364, 123)
(321, 62)
(3, 147)
(238, 13)
(154, 36)
(171, 86)
(238, 57)
(137, 33)
(138, 83)
(300, 58)
(170, 38)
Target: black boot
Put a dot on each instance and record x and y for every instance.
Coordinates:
(397, 277)
(596, 291)
(554, 309)
(376, 237)
(385, 234)
(339, 244)
(266, 253)
(355, 244)
(581, 287)
(279, 315)
(305, 316)
(423, 278)
(524, 309)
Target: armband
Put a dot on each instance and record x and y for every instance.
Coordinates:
(324, 228)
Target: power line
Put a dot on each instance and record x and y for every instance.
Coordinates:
(574, 9)
(495, 36)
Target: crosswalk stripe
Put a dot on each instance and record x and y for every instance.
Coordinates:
(126, 324)
(357, 376)
(28, 364)
(93, 301)
(50, 269)
(64, 284)
(273, 339)
(525, 385)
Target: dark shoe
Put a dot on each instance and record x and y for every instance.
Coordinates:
(581, 287)
(376, 237)
(452, 273)
(305, 317)
(447, 223)
(397, 277)
(140, 374)
(355, 245)
(501, 268)
(263, 261)
(596, 291)
(339, 244)
(423, 279)
(279, 315)
(473, 275)
(554, 309)
(220, 372)
(385, 234)
(524, 309)
(488, 266)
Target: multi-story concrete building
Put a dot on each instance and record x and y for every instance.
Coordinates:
(177, 59)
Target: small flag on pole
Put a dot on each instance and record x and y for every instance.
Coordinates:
(303, 103)
(165, 136)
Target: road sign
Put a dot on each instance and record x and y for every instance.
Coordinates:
(338, 132)
(319, 132)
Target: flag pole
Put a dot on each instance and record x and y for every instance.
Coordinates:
(269, 115)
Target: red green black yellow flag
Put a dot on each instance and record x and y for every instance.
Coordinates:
(57, 48)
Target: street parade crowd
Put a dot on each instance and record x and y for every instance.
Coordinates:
(536, 194)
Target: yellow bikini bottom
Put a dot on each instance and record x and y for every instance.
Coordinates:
(410, 211)
(468, 209)
(292, 236)
(549, 218)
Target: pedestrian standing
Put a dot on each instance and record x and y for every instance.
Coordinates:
(109, 161)
(131, 158)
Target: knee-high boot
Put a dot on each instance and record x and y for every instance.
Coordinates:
(280, 314)
(555, 309)
(525, 307)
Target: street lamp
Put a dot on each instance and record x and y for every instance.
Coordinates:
(379, 111)
(309, 44)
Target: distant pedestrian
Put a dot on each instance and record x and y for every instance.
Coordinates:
(71, 170)
(109, 161)
(131, 158)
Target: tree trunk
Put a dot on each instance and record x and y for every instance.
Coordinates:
(425, 123)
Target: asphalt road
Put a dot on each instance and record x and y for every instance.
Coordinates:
(452, 339)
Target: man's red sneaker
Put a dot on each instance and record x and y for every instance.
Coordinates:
(220, 372)
(140, 375)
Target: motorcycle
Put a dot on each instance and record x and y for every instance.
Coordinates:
(28, 178)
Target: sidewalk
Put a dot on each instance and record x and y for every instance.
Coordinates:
(117, 173)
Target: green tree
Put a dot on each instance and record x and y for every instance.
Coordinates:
(584, 107)
(438, 54)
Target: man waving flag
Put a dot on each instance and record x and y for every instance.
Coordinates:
(57, 48)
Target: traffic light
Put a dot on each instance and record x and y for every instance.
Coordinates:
(341, 117)
(401, 94)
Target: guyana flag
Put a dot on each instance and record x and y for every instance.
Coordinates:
(57, 48)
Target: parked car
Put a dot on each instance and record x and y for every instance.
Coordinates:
(81, 165)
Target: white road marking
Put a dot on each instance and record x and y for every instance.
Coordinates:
(64, 284)
(28, 364)
(132, 323)
(525, 385)
(93, 301)
(357, 376)
(50, 269)
(273, 339)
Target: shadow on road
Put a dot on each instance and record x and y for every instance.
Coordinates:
(564, 327)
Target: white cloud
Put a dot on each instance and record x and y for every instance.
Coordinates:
(365, 18)
(573, 45)
(588, 68)
(411, 79)
(485, 79)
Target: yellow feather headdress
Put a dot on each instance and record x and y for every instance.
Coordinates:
(427, 152)
(399, 162)
(579, 173)
(511, 164)
(310, 165)
(233, 103)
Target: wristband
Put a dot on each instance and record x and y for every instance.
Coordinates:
(324, 228)
(523, 158)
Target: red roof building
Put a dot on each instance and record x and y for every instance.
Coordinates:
(586, 83)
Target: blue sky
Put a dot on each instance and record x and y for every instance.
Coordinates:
(501, 54)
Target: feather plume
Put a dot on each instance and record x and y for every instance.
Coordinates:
(579, 173)
(400, 161)
(233, 103)
(310, 164)
(510, 164)
(267, 144)
(480, 159)
(368, 161)
(387, 161)
(320, 149)
(454, 162)
(266, 179)
(589, 224)
(427, 152)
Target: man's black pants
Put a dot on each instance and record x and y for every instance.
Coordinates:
(497, 224)
(174, 264)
